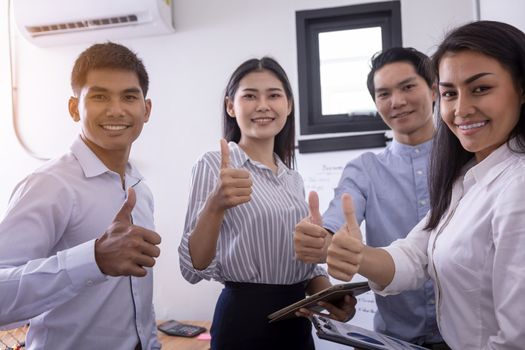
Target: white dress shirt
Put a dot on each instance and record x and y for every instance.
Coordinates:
(475, 256)
(256, 238)
(48, 273)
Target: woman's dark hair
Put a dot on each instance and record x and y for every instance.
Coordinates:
(418, 60)
(284, 145)
(502, 42)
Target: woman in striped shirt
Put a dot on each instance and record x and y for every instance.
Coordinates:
(244, 203)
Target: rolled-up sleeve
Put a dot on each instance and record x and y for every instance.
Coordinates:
(410, 260)
(203, 181)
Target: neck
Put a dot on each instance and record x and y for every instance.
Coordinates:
(260, 151)
(115, 160)
(421, 135)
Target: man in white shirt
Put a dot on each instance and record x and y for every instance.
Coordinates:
(81, 274)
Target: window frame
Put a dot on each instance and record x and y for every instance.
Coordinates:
(309, 23)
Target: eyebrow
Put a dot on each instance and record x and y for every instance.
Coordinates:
(256, 90)
(402, 82)
(126, 91)
(467, 81)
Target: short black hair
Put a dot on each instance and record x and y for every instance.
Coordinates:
(419, 60)
(107, 55)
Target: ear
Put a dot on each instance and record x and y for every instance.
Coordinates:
(148, 110)
(434, 92)
(290, 105)
(229, 107)
(73, 108)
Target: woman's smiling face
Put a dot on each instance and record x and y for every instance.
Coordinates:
(479, 100)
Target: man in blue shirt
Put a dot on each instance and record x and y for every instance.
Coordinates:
(389, 189)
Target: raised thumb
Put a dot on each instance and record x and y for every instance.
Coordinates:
(313, 208)
(124, 214)
(349, 212)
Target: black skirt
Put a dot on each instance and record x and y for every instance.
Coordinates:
(240, 321)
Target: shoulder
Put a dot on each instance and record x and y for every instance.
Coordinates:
(209, 160)
(366, 162)
(55, 173)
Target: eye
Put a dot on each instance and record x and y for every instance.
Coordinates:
(131, 98)
(276, 95)
(447, 94)
(98, 97)
(481, 89)
(248, 96)
(382, 95)
(409, 86)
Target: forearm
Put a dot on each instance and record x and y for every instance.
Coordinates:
(42, 284)
(203, 239)
(377, 265)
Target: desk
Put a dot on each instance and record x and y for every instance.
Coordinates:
(168, 342)
(181, 343)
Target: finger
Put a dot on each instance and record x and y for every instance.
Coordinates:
(313, 205)
(124, 214)
(303, 312)
(334, 312)
(349, 213)
(225, 154)
(239, 174)
(144, 261)
(150, 250)
(149, 236)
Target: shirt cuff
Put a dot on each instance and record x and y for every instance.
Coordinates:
(80, 265)
(400, 278)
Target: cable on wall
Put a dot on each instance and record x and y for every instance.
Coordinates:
(14, 91)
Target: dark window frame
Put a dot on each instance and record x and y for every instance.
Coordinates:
(309, 24)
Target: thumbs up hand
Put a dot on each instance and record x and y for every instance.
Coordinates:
(311, 240)
(234, 186)
(346, 251)
(124, 249)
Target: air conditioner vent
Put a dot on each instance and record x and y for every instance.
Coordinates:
(99, 23)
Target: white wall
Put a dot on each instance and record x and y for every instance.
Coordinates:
(188, 72)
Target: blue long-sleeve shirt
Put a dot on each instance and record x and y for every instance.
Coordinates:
(390, 193)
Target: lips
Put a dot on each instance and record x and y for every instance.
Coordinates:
(114, 127)
(472, 125)
(262, 120)
(400, 115)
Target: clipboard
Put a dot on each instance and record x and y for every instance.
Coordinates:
(331, 295)
(347, 334)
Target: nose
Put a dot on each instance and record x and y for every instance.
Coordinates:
(397, 99)
(263, 106)
(115, 108)
(463, 107)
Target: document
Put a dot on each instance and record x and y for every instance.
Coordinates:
(344, 333)
(333, 295)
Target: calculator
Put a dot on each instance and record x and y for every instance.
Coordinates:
(180, 329)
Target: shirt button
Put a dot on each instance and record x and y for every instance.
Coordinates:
(417, 150)
(431, 301)
(89, 283)
(419, 172)
(422, 202)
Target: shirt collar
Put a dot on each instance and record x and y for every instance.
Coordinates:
(92, 166)
(489, 168)
(402, 149)
(238, 159)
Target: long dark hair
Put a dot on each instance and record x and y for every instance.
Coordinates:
(284, 145)
(502, 42)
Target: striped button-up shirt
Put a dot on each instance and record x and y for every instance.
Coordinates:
(255, 243)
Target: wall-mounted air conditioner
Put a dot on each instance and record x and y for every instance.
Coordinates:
(67, 22)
